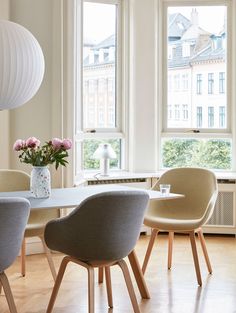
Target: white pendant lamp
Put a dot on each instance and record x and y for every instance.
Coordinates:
(21, 65)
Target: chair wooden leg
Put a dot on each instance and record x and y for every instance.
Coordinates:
(0, 287)
(7, 289)
(149, 250)
(100, 275)
(204, 249)
(57, 283)
(170, 249)
(90, 289)
(195, 257)
(109, 287)
(138, 274)
(23, 257)
(49, 258)
(129, 285)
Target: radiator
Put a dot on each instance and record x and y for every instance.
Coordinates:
(223, 218)
(132, 182)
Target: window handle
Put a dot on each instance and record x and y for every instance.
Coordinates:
(90, 131)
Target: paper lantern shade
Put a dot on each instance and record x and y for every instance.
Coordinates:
(21, 65)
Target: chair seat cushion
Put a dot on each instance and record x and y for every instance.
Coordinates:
(167, 224)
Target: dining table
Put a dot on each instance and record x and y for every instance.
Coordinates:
(72, 197)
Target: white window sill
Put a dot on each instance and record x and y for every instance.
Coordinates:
(114, 175)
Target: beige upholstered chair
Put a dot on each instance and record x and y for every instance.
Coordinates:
(186, 214)
(14, 180)
(101, 231)
(14, 213)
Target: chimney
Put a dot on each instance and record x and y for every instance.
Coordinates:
(194, 17)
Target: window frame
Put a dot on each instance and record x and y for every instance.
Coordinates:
(119, 131)
(199, 84)
(228, 133)
(221, 82)
(199, 116)
(164, 130)
(211, 117)
(210, 83)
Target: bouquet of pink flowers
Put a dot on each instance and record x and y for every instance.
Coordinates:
(53, 151)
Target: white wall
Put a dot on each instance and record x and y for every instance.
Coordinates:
(41, 116)
(143, 85)
(33, 118)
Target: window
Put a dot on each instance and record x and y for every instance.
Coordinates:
(199, 117)
(185, 81)
(177, 111)
(177, 82)
(210, 117)
(203, 120)
(222, 116)
(98, 43)
(199, 84)
(210, 83)
(192, 152)
(185, 111)
(100, 118)
(221, 82)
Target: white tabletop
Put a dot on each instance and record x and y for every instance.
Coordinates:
(71, 197)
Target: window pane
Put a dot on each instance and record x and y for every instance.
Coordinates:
(208, 153)
(99, 65)
(196, 74)
(90, 146)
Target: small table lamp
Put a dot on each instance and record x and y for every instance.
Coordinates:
(104, 152)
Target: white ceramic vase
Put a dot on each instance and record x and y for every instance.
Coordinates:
(40, 182)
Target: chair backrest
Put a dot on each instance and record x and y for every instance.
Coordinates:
(104, 227)
(15, 180)
(199, 187)
(14, 213)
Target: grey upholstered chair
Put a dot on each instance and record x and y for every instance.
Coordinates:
(14, 180)
(14, 213)
(101, 231)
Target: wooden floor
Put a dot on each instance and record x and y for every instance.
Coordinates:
(174, 291)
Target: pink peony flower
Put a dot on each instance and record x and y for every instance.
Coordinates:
(18, 145)
(67, 144)
(51, 152)
(57, 143)
(32, 142)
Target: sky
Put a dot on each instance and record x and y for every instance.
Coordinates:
(211, 18)
(99, 21)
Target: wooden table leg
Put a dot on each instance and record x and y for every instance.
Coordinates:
(138, 275)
